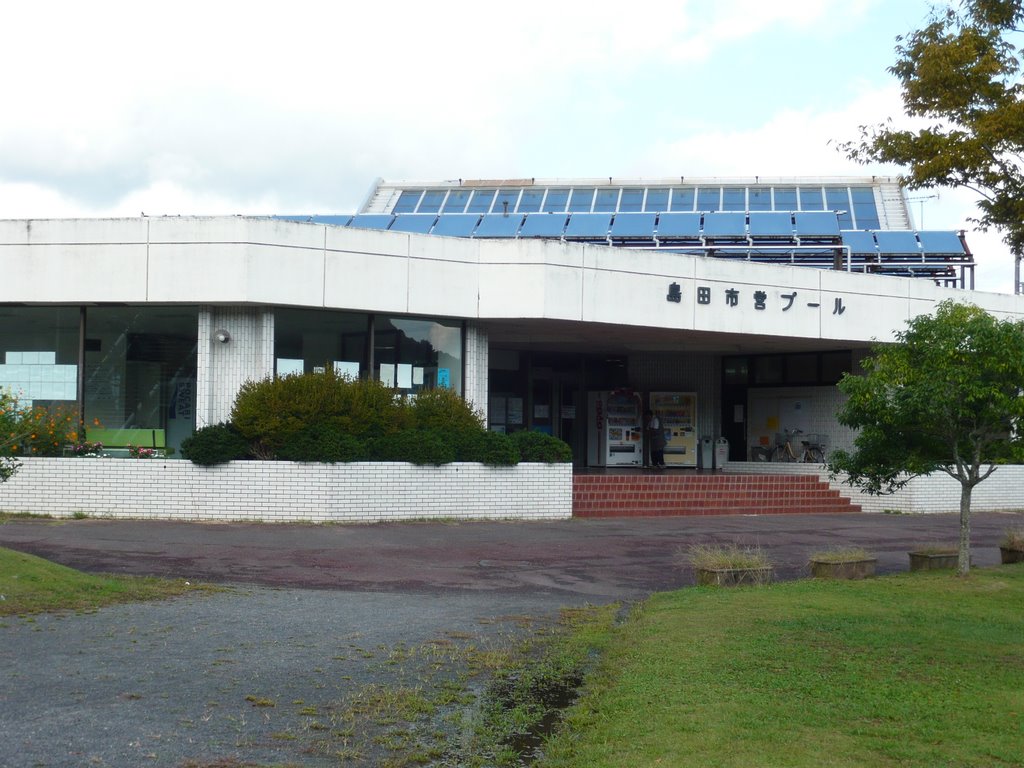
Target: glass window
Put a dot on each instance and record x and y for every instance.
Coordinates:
(607, 200)
(530, 201)
(834, 365)
(768, 369)
(509, 196)
(632, 200)
(734, 199)
(581, 201)
(140, 369)
(481, 202)
(865, 217)
(802, 369)
(682, 199)
(407, 201)
(865, 214)
(306, 340)
(810, 199)
(709, 198)
(39, 355)
(785, 198)
(456, 202)
(431, 202)
(556, 200)
(837, 199)
(411, 354)
(759, 199)
(657, 200)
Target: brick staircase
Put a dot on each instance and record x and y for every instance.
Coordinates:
(666, 494)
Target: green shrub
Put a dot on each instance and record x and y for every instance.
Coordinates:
(417, 446)
(216, 444)
(270, 411)
(492, 448)
(443, 408)
(322, 442)
(539, 447)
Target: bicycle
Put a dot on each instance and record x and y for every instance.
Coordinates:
(784, 448)
(814, 449)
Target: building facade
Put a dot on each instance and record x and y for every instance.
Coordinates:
(734, 307)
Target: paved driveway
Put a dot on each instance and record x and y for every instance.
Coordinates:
(284, 668)
(577, 560)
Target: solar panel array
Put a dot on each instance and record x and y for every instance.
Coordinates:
(856, 204)
(802, 238)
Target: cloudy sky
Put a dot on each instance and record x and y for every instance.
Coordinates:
(115, 108)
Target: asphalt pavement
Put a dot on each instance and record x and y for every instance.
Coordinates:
(283, 666)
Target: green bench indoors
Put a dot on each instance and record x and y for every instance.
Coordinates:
(116, 441)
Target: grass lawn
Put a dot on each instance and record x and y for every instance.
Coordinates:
(30, 584)
(920, 669)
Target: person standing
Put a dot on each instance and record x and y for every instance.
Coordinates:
(656, 436)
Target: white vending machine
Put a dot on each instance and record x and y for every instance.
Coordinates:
(678, 414)
(615, 429)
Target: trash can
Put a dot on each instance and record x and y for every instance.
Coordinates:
(721, 453)
(706, 453)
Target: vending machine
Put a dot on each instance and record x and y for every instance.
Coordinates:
(677, 412)
(615, 433)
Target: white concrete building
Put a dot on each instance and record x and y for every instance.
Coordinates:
(546, 298)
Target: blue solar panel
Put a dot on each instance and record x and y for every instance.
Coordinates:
(771, 224)
(725, 224)
(901, 242)
(816, 224)
(456, 224)
(371, 221)
(679, 225)
(588, 225)
(634, 225)
(413, 222)
(944, 243)
(543, 225)
(498, 225)
(860, 241)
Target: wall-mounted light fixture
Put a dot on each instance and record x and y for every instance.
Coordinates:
(222, 336)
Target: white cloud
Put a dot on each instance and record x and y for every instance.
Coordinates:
(209, 107)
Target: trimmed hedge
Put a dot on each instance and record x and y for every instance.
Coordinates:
(216, 444)
(330, 418)
(417, 446)
(539, 447)
(491, 448)
(325, 443)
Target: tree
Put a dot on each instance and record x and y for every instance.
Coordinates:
(961, 74)
(948, 396)
(11, 434)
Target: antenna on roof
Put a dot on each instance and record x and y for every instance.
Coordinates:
(920, 200)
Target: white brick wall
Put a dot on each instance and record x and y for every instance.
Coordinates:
(1003, 491)
(477, 352)
(223, 368)
(281, 491)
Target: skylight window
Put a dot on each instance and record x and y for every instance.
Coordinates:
(607, 200)
(481, 202)
(556, 200)
(657, 200)
(682, 199)
(709, 198)
(581, 200)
